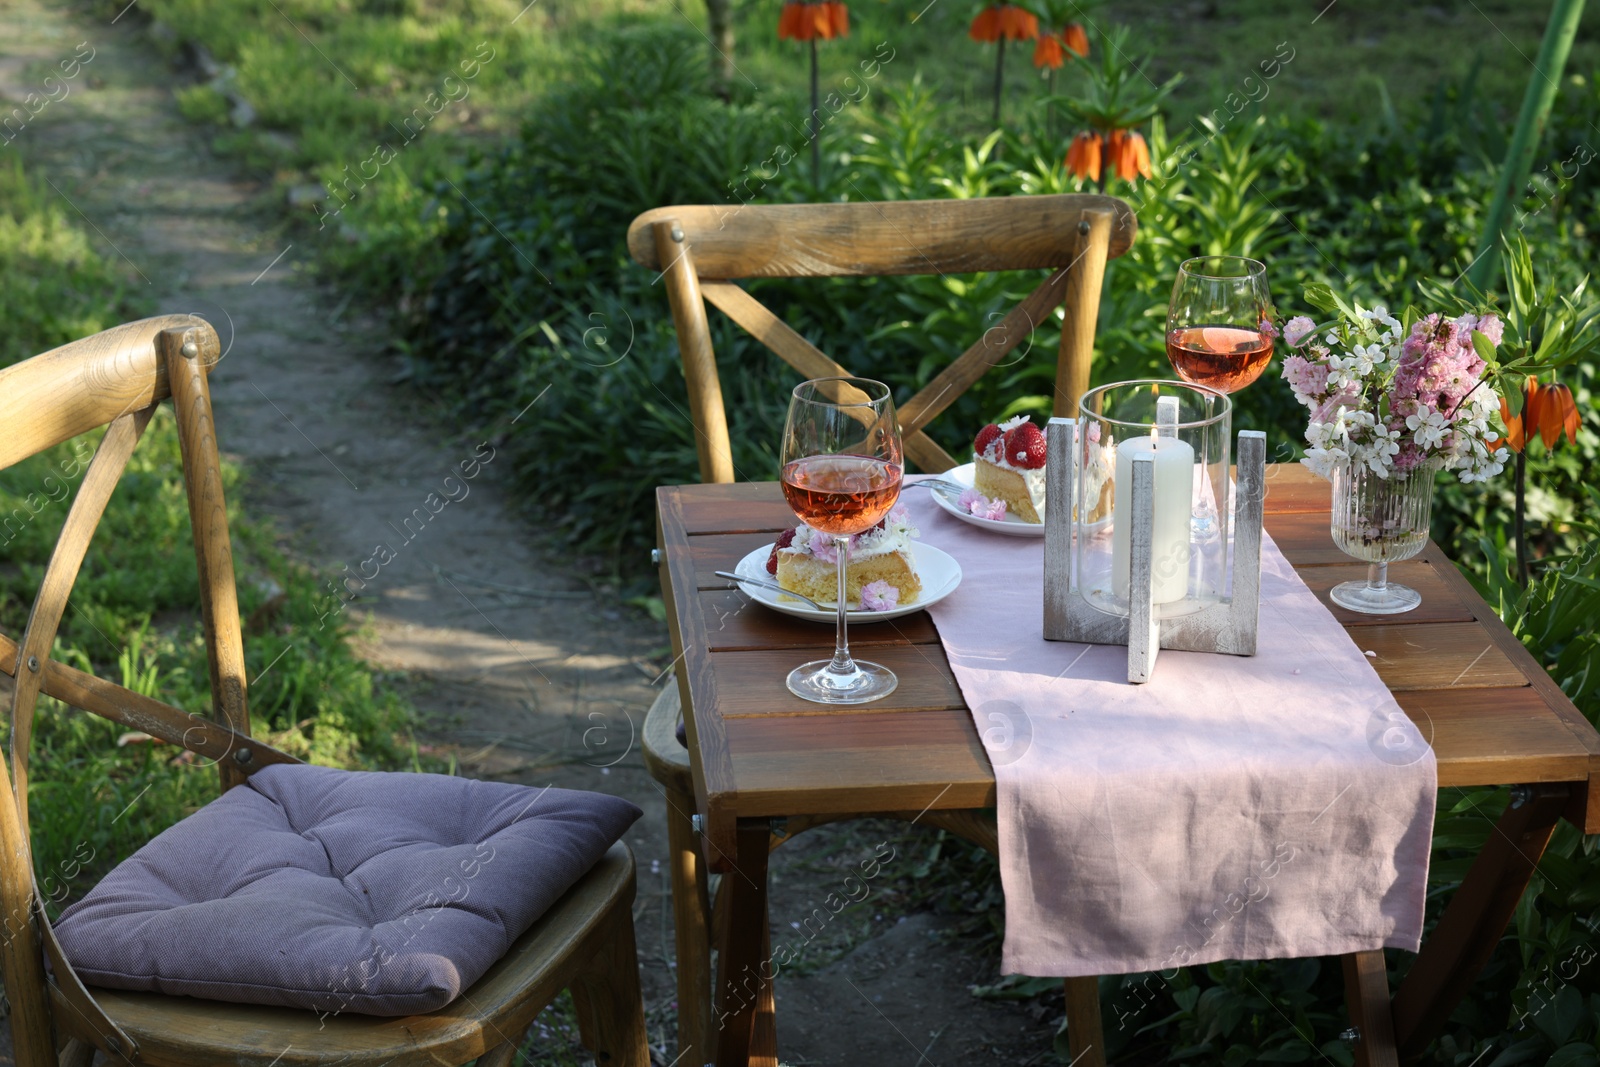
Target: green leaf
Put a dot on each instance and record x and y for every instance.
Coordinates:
(1561, 1015)
(1573, 1056)
(1483, 346)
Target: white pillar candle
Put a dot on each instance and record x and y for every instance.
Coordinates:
(1174, 493)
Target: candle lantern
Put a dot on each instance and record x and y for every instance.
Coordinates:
(1159, 548)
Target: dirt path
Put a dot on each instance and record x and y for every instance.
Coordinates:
(519, 670)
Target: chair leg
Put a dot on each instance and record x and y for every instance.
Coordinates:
(690, 908)
(608, 1001)
(1366, 992)
(499, 1056)
(1085, 1040)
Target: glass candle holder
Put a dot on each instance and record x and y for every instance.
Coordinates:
(1187, 430)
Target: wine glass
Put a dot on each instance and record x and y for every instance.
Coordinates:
(1219, 322)
(842, 463)
(1219, 335)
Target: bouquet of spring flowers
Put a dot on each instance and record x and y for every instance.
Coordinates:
(1390, 394)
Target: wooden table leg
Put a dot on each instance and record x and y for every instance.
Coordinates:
(1085, 1040)
(1366, 992)
(1475, 919)
(742, 940)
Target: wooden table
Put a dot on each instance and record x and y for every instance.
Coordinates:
(1492, 714)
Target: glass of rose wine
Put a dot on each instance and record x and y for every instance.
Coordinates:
(1219, 335)
(842, 463)
(1219, 322)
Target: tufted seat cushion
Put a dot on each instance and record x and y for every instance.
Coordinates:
(376, 893)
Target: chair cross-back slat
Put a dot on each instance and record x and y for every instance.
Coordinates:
(805, 357)
(105, 470)
(700, 249)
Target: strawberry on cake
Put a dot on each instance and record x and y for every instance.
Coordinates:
(805, 561)
(1008, 464)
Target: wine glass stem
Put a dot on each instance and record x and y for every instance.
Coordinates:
(842, 663)
(1378, 577)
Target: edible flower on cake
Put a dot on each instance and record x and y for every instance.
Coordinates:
(805, 561)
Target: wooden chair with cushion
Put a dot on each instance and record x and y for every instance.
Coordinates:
(302, 872)
(700, 252)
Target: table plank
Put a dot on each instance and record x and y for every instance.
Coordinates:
(861, 756)
(751, 683)
(734, 621)
(1449, 656)
(1495, 736)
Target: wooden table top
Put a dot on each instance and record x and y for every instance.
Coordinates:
(1492, 714)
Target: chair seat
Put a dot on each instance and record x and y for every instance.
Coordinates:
(183, 1031)
(340, 891)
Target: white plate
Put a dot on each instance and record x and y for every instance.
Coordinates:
(939, 572)
(1011, 526)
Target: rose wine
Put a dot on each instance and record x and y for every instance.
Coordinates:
(1224, 358)
(841, 494)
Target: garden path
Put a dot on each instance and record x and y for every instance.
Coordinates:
(521, 670)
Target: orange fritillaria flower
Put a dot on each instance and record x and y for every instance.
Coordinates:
(1558, 413)
(839, 15)
(807, 22)
(1004, 20)
(985, 25)
(1047, 53)
(1127, 152)
(1083, 155)
(1548, 411)
(1075, 39)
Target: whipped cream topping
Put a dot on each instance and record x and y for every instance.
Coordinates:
(1033, 479)
(896, 535)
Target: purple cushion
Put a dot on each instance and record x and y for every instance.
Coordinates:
(382, 894)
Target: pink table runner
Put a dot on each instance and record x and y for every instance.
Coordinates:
(1234, 807)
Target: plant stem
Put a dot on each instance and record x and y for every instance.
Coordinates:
(816, 128)
(999, 76)
(1522, 550)
(1552, 59)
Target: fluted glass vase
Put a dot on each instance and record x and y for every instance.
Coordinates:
(1381, 521)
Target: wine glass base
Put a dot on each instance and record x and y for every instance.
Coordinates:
(1390, 599)
(815, 682)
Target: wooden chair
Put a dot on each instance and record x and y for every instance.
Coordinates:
(700, 252)
(584, 943)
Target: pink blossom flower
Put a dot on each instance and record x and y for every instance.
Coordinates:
(1267, 327)
(879, 596)
(1297, 329)
(823, 548)
(975, 503)
(1305, 377)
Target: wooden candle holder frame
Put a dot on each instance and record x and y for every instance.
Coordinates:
(1228, 627)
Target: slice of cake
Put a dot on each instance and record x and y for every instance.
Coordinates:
(1008, 464)
(805, 562)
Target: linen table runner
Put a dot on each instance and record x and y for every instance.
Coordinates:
(1233, 807)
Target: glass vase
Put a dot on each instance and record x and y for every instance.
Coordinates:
(1382, 521)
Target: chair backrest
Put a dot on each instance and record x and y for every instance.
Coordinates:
(700, 250)
(114, 379)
